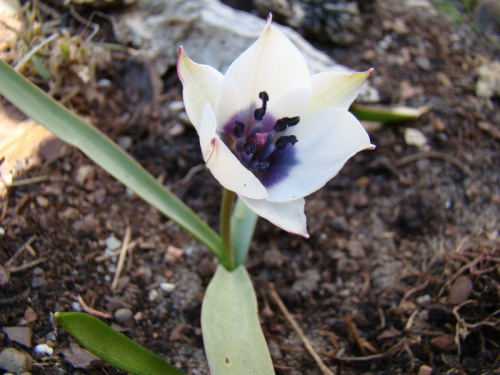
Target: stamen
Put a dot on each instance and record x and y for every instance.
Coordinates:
(284, 140)
(252, 149)
(239, 129)
(260, 112)
(284, 122)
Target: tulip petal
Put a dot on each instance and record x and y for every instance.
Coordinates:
(223, 165)
(327, 138)
(335, 89)
(272, 64)
(288, 216)
(200, 85)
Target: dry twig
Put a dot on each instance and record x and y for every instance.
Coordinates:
(121, 259)
(26, 245)
(25, 266)
(436, 155)
(91, 311)
(275, 297)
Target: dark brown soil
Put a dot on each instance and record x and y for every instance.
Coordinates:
(402, 269)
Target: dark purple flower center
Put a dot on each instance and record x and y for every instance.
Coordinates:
(260, 143)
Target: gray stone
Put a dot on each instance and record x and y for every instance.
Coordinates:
(22, 335)
(123, 315)
(336, 21)
(15, 361)
(211, 33)
(488, 83)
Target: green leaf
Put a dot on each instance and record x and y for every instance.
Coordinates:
(112, 346)
(385, 114)
(243, 223)
(234, 342)
(98, 147)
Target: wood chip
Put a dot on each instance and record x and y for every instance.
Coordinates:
(460, 290)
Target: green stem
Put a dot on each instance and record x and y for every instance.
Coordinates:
(226, 211)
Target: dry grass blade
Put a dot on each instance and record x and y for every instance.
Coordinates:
(275, 297)
(436, 155)
(121, 259)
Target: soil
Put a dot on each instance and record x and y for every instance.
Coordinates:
(401, 274)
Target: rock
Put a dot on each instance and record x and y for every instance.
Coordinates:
(167, 287)
(79, 357)
(414, 137)
(30, 315)
(15, 361)
(338, 21)
(43, 349)
(83, 173)
(424, 370)
(202, 27)
(173, 254)
(123, 315)
(333, 21)
(113, 243)
(488, 83)
(153, 295)
(21, 335)
(424, 63)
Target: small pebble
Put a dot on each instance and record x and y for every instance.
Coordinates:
(123, 315)
(113, 243)
(15, 361)
(414, 137)
(43, 349)
(76, 306)
(424, 300)
(83, 173)
(173, 254)
(153, 295)
(21, 334)
(424, 370)
(167, 287)
(125, 142)
(42, 201)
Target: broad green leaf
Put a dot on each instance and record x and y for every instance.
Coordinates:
(385, 114)
(112, 346)
(243, 223)
(98, 147)
(233, 338)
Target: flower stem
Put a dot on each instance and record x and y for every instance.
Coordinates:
(226, 210)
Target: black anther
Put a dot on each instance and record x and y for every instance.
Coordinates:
(284, 140)
(260, 112)
(284, 122)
